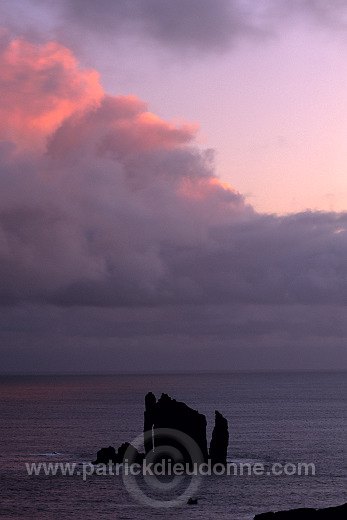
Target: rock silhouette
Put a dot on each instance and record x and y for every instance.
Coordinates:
(107, 455)
(132, 455)
(220, 440)
(164, 417)
(174, 415)
(150, 406)
(329, 513)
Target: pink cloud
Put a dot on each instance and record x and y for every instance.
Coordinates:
(119, 127)
(41, 86)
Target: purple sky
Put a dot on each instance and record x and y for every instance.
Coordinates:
(172, 185)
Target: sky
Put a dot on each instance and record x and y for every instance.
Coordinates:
(173, 191)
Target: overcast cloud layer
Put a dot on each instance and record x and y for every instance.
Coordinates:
(121, 249)
(202, 23)
(188, 26)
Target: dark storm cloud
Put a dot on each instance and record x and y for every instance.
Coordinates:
(194, 25)
(172, 338)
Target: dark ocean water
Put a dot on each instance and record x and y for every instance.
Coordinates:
(273, 418)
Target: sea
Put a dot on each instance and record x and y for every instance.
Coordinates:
(283, 418)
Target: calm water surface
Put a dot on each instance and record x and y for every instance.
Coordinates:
(273, 417)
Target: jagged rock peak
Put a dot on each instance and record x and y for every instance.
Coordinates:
(220, 440)
(150, 400)
(176, 415)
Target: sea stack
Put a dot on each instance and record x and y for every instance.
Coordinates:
(220, 440)
(175, 415)
(170, 428)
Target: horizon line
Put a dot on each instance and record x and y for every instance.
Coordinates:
(175, 372)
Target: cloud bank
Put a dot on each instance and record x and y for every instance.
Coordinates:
(189, 27)
(193, 26)
(106, 208)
